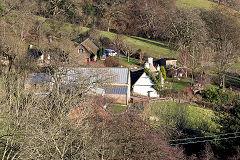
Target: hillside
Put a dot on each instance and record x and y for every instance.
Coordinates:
(152, 48)
(70, 31)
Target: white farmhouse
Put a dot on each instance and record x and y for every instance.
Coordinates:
(142, 83)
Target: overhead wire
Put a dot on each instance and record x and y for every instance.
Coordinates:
(203, 139)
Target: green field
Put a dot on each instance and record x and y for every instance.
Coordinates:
(191, 117)
(196, 3)
(150, 47)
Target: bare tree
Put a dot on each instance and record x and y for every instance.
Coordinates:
(122, 46)
(53, 126)
(223, 29)
(187, 33)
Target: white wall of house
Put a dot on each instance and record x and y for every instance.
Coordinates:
(144, 86)
(129, 87)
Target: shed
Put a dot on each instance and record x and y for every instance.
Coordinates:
(86, 52)
(166, 62)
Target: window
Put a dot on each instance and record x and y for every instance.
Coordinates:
(80, 50)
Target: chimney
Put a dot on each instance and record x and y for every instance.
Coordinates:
(30, 46)
(147, 65)
(158, 68)
(150, 60)
(42, 57)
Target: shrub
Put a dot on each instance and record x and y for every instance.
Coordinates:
(106, 42)
(211, 94)
(163, 70)
(224, 99)
(100, 53)
(111, 62)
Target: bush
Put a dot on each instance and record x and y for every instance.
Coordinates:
(106, 42)
(111, 62)
(211, 94)
(224, 99)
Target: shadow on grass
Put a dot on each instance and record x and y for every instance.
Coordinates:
(150, 42)
(232, 80)
(193, 148)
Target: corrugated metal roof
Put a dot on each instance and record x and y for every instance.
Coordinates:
(116, 90)
(102, 75)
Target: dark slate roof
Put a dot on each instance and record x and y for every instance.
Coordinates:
(90, 46)
(39, 78)
(135, 75)
(116, 90)
(168, 59)
(108, 75)
(162, 61)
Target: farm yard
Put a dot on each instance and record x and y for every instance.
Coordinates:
(119, 79)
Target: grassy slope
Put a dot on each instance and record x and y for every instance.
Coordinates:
(195, 3)
(207, 5)
(150, 47)
(197, 118)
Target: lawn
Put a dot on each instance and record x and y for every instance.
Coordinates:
(117, 108)
(191, 117)
(152, 48)
(196, 3)
(180, 84)
(132, 62)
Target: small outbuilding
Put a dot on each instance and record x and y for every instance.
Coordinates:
(86, 52)
(166, 62)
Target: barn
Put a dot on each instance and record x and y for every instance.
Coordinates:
(112, 83)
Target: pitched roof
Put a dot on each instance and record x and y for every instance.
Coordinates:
(90, 46)
(135, 75)
(168, 59)
(92, 75)
(116, 90)
(152, 68)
